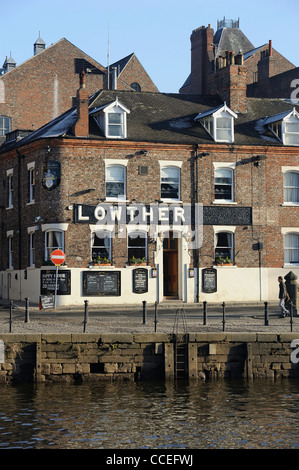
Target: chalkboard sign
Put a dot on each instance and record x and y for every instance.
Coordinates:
(101, 283)
(48, 279)
(46, 302)
(209, 280)
(140, 280)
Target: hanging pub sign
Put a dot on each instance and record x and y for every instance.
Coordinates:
(51, 174)
(209, 280)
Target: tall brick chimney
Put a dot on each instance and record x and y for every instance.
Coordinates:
(202, 56)
(229, 81)
(81, 128)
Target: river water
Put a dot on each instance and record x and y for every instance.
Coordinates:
(232, 414)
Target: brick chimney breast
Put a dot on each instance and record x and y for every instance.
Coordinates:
(81, 128)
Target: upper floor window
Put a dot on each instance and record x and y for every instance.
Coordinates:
(224, 184)
(112, 119)
(285, 127)
(4, 125)
(135, 86)
(9, 174)
(116, 182)
(31, 182)
(291, 186)
(219, 123)
(10, 249)
(170, 180)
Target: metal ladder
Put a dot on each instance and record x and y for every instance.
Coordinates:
(180, 348)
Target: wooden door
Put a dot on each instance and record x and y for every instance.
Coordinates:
(170, 267)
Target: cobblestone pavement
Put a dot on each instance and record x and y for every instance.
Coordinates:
(126, 321)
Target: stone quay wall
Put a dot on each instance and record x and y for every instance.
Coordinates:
(94, 357)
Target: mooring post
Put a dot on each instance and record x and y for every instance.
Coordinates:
(144, 311)
(27, 310)
(85, 314)
(223, 316)
(204, 312)
(266, 314)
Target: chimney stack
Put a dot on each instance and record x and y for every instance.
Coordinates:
(81, 128)
(202, 57)
(114, 78)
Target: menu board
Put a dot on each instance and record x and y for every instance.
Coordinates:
(48, 280)
(140, 280)
(209, 280)
(101, 283)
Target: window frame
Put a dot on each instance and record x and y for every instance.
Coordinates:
(288, 232)
(47, 253)
(31, 182)
(10, 249)
(9, 174)
(228, 230)
(4, 129)
(292, 171)
(136, 231)
(94, 234)
(172, 164)
(116, 163)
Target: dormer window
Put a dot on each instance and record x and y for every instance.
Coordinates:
(285, 127)
(219, 123)
(112, 119)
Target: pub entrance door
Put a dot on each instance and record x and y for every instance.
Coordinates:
(170, 266)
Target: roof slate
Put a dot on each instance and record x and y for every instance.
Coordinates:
(166, 118)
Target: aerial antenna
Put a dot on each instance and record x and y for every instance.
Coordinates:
(108, 52)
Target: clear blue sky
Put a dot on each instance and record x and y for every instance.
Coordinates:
(158, 31)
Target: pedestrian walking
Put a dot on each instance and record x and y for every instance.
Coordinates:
(282, 296)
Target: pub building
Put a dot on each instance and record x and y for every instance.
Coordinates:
(152, 196)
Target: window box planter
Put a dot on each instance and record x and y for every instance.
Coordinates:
(224, 262)
(137, 262)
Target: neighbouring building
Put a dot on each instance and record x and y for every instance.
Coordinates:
(268, 73)
(45, 85)
(201, 193)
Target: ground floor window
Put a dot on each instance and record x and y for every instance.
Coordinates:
(101, 245)
(54, 239)
(224, 245)
(291, 248)
(137, 246)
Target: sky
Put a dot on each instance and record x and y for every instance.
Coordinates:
(157, 31)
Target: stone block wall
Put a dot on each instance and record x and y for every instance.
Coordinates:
(90, 357)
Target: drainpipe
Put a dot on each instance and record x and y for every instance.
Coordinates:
(196, 228)
(19, 220)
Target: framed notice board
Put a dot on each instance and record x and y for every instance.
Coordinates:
(209, 280)
(101, 283)
(48, 279)
(140, 280)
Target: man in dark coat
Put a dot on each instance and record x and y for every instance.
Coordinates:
(282, 296)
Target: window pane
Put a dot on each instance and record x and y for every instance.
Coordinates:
(115, 189)
(224, 245)
(101, 245)
(291, 251)
(292, 127)
(291, 139)
(137, 243)
(223, 184)
(115, 181)
(170, 183)
(223, 134)
(114, 118)
(115, 130)
(291, 187)
(115, 173)
(224, 123)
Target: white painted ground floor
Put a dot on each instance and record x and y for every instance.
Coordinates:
(132, 285)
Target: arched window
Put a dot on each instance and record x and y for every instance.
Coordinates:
(54, 239)
(224, 245)
(135, 86)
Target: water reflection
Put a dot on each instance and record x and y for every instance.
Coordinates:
(224, 414)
